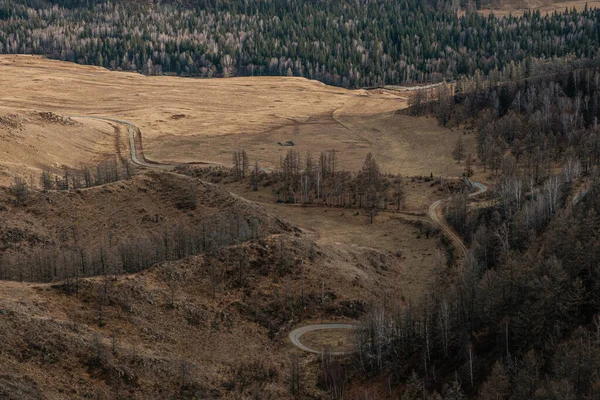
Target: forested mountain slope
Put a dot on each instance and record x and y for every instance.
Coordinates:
(122, 227)
(520, 319)
(351, 44)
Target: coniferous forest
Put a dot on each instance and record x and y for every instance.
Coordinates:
(362, 43)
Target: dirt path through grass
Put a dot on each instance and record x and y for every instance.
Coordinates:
(436, 215)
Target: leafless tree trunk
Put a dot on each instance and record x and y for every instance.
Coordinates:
(244, 164)
(295, 379)
(571, 169)
(255, 176)
(216, 276)
(444, 324)
(471, 364)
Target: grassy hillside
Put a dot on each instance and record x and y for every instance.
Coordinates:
(205, 120)
(123, 226)
(207, 326)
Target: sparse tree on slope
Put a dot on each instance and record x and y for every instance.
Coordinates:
(20, 190)
(469, 166)
(369, 175)
(459, 150)
(47, 180)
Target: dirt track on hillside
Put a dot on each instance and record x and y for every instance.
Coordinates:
(436, 216)
(186, 119)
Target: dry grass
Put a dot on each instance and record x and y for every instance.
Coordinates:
(519, 7)
(32, 142)
(157, 327)
(190, 120)
(49, 337)
(348, 233)
(50, 340)
(337, 340)
(357, 242)
(146, 206)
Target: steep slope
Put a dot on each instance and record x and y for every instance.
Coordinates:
(109, 225)
(206, 326)
(33, 141)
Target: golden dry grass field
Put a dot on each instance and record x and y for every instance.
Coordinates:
(519, 7)
(158, 329)
(191, 120)
(348, 234)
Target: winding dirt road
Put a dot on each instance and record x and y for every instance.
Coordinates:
(134, 157)
(436, 215)
(412, 88)
(297, 333)
(131, 129)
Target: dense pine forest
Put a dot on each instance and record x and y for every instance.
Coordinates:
(360, 43)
